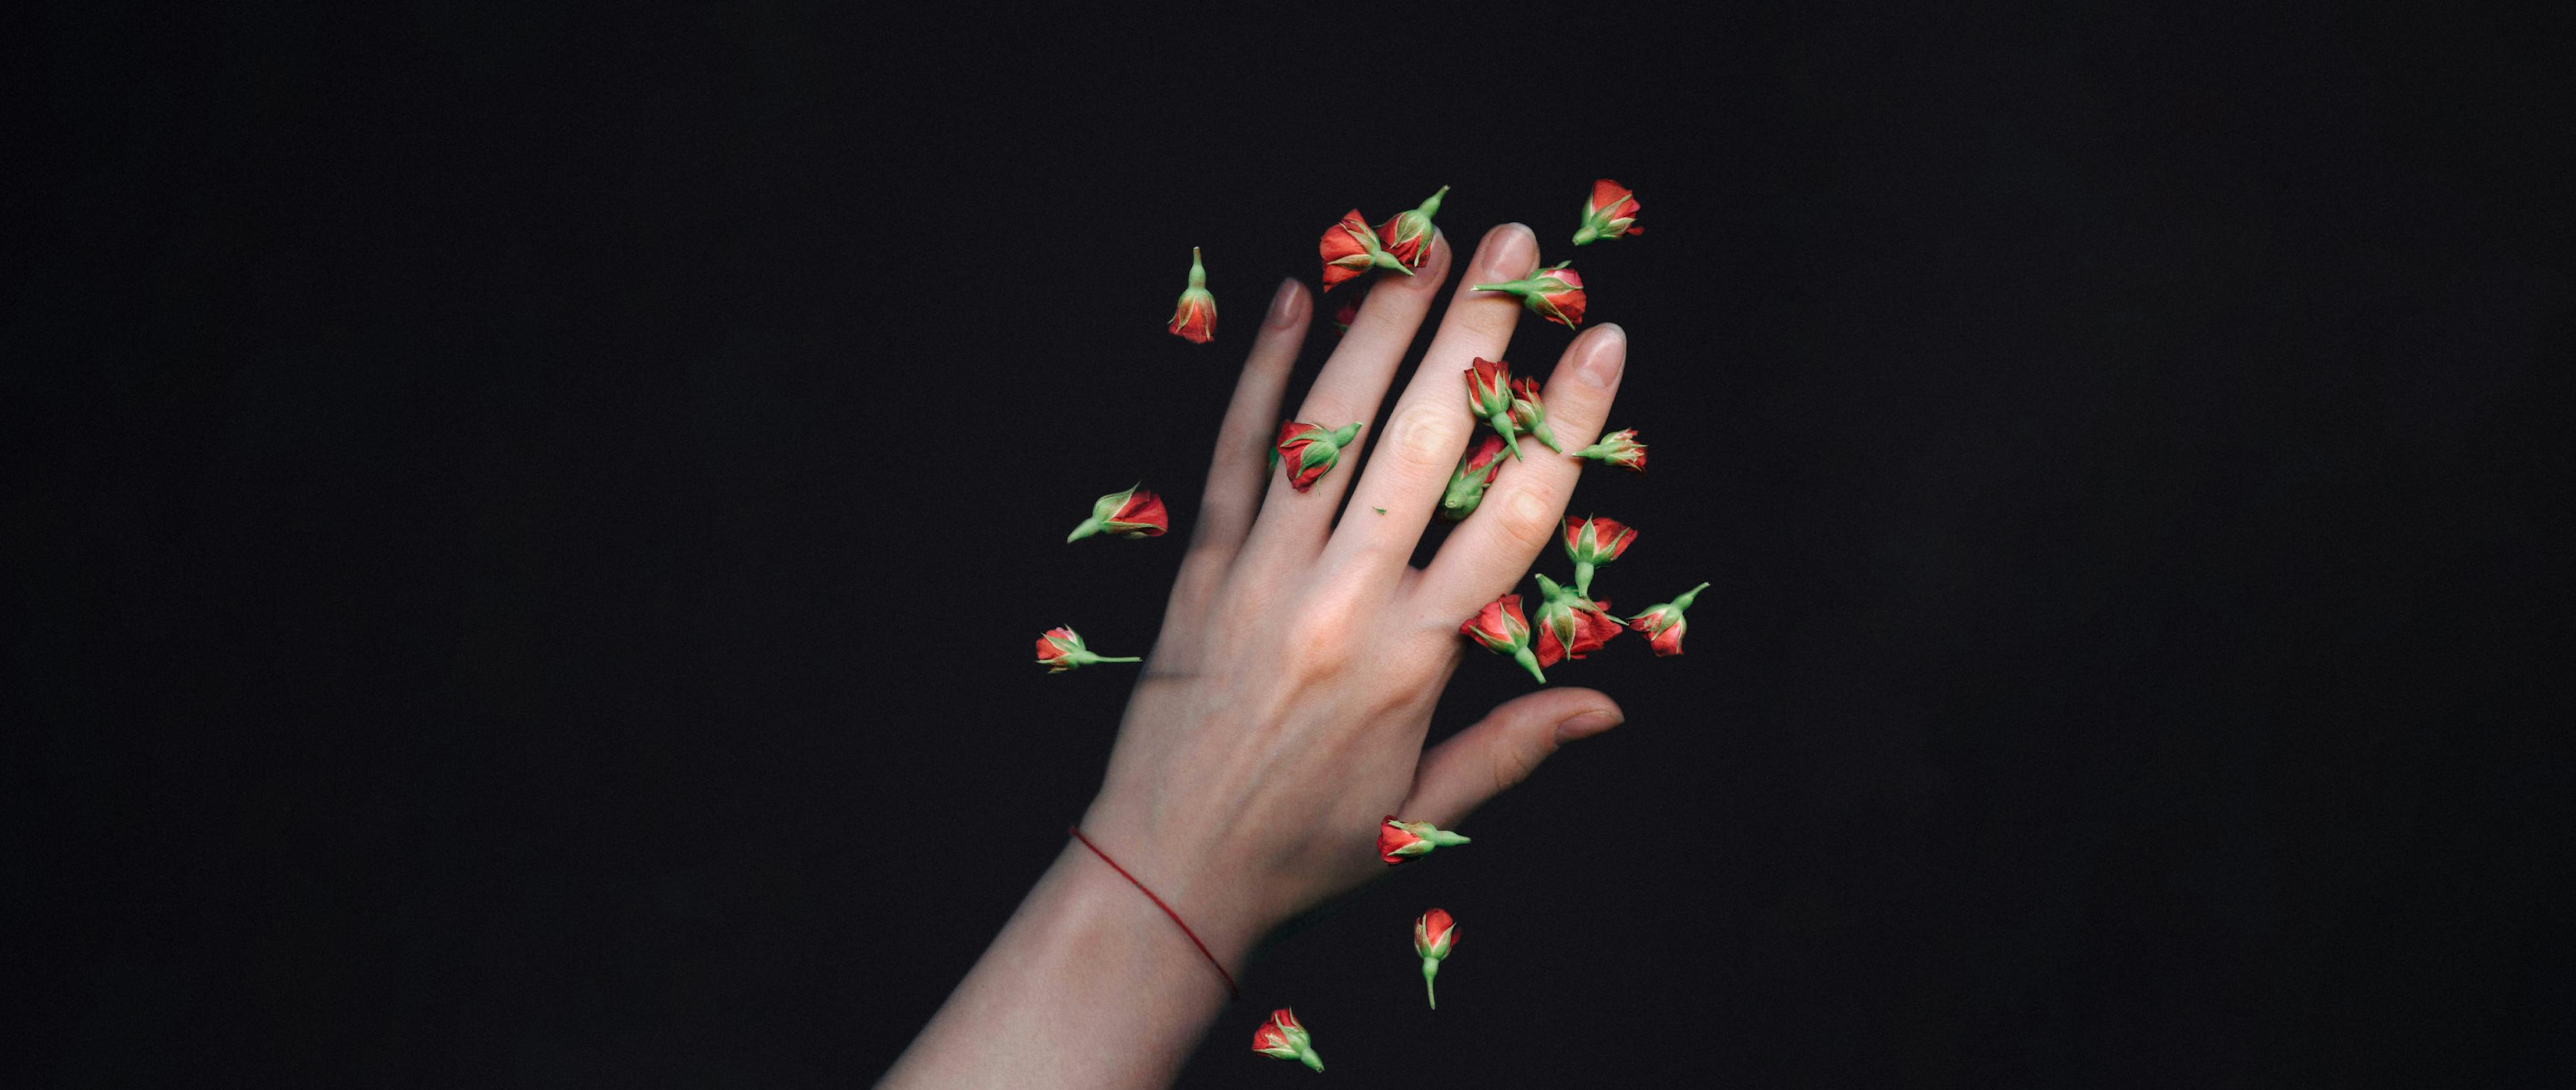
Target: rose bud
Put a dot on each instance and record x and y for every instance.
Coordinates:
(1283, 1038)
(1554, 293)
(1434, 935)
(1351, 248)
(1502, 630)
(1489, 398)
(1663, 625)
(1060, 650)
(1194, 320)
(1398, 841)
(1310, 451)
(1132, 513)
(1592, 542)
(1344, 315)
(1611, 211)
(1475, 471)
(1408, 234)
(1569, 625)
(1530, 413)
(1619, 448)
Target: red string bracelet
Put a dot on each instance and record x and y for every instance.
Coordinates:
(1231, 991)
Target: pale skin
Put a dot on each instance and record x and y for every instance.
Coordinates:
(1282, 712)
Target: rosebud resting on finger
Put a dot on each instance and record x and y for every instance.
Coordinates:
(1281, 1037)
(1502, 629)
(1591, 542)
(1476, 470)
(1350, 248)
(1407, 235)
(1569, 625)
(1611, 211)
(1060, 650)
(1554, 293)
(1489, 398)
(1619, 448)
(1310, 451)
(1530, 413)
(1434, 935)
(1135, 512)
(1194, 319)
(1664, 624)
(1398, 841)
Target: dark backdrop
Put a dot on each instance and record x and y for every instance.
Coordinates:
(526, 524)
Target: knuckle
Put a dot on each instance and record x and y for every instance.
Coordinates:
(1423, 438)
(1525, 520)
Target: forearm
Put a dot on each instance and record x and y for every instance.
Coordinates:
(1088, 985)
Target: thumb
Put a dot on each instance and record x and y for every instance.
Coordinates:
(1502, 749)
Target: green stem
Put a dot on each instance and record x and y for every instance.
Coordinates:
(1529, 662)
(1430, 968)
(1088, 528)
(1583, 578)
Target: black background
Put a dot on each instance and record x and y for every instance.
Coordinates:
(525, 527)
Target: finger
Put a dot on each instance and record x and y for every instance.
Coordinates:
(1494, 547)
(1430, 426)
(1243, 443)
(1349, 388)
(1480, 762)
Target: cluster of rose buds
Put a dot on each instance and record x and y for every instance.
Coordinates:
(1570, 624)
(1350, 248)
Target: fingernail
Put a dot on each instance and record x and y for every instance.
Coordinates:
(1603, 358)
(1283, 305)
(1511, 250)
(1588, 724)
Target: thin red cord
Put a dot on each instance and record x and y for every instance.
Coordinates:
(1230, 990)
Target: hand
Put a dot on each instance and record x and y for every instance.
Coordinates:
(1282, 712)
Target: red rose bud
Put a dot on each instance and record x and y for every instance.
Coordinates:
(1310, 451)
(1283, 1038)
(1194, 319)
(1132, 513)
(1502, 630)
(1569, 625)
(1398, 841)
(1408, 234)
(1351, 248)
(1434, 935)
(1619, 448)
(1530, 413)
(1475, 471)
(1611, 211)
(1592, 542)
(1489, 398)
(1343, 316)
(1060, 650)
(1554, 293)
(1663, 625)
